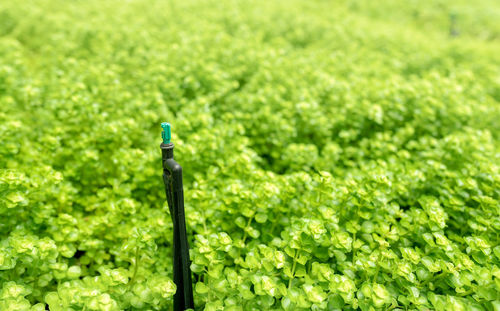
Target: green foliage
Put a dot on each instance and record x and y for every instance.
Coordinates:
(337, 155)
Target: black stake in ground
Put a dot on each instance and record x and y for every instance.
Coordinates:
(172, 176)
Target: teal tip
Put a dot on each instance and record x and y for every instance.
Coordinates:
(166, 134)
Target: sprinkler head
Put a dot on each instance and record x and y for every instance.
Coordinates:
(166, 135)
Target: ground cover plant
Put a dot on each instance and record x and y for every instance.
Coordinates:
(337, 155)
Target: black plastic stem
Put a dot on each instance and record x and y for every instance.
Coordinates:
(172, 176)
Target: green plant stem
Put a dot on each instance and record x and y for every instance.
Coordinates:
(293, 269)
(210, 287)
(136, 267)
(248, 225)
(376, 274)
(353, 248)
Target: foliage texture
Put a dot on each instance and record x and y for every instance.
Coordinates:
(337, 155)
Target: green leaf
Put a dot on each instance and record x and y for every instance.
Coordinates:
(201, 288)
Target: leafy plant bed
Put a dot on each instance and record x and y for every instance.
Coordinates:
(336, 155)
